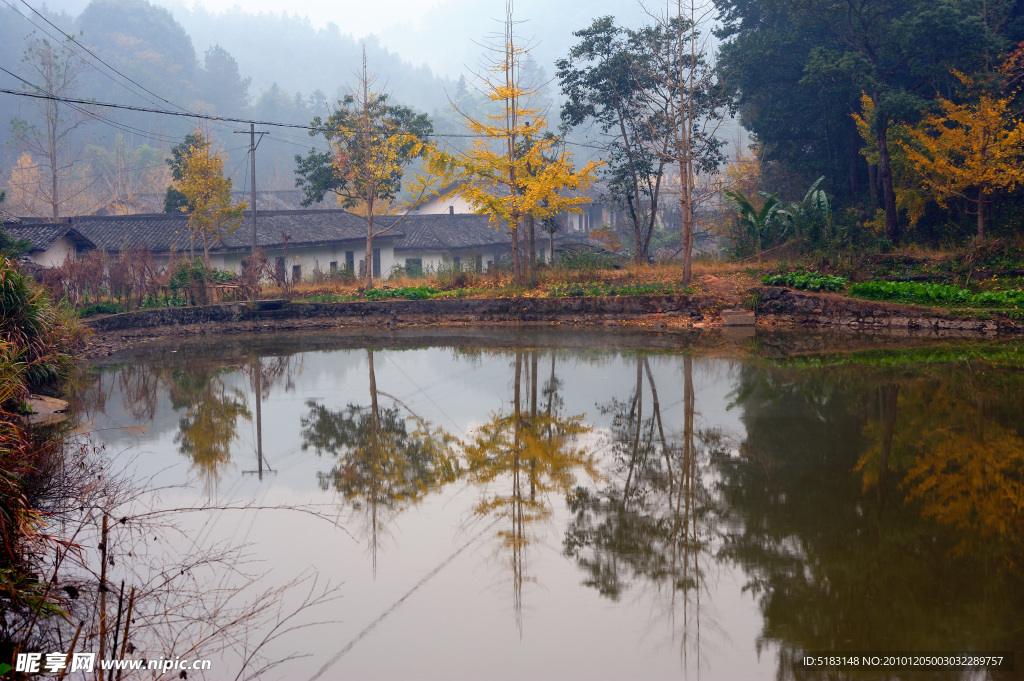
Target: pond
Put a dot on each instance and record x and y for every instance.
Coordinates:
(584, 505)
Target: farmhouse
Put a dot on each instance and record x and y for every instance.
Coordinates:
(299, 242)
(465, 241)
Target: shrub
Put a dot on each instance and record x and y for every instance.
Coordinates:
(101, 308)
(41, 334)
(586, 260)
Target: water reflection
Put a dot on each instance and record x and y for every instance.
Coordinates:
(520, 458)
(382, 466)
(843, 470)
(654, 522)
(857, 503)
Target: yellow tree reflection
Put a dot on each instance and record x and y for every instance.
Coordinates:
(964, 467)
(521, 457)
(209, 427)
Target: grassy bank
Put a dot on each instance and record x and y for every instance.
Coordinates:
(37, 342)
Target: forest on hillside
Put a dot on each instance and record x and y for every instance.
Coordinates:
(164, 67)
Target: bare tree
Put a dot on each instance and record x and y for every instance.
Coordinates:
(53, 137)
(689, 93)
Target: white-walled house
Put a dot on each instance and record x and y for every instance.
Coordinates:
(50, 244)
(467, 241)
(299, 242)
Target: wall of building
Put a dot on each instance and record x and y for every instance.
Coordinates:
(54, 256)
(310, 258)
(434, 260)
(455, 204)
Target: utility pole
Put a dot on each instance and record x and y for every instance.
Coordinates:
(252, 164)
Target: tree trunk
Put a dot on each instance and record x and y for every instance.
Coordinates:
(369, 247)
(532, 263)
(854, 161)
(981, 214)
(892, 227)
(517, 272)
(873, 185)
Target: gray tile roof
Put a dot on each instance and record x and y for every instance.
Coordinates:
(444, 232)
(275, 199)
(42, 235)
(162, 230)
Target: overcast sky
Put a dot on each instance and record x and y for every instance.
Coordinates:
(443, 34)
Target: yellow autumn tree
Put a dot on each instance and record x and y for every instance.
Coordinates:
(513, 171)
(24, 189)
(968, 151)
(208, 191)
(910, 198)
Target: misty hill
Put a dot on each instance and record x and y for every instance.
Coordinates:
(301, 70)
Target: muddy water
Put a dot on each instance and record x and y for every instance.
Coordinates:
(589, 506)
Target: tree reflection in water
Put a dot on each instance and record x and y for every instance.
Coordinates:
(844, 472)
(522, 456)
(383, 466)
(655, 521)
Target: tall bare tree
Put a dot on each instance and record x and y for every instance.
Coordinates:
(53, 137)
(688, 90)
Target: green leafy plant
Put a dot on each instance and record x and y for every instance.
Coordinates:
(807, 281)
(599, 289)
(932, 294)
(405, 292)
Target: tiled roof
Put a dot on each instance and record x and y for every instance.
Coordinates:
(280, 199)
(42, 235)
(162, 230)
(445, 232)
(7, 219)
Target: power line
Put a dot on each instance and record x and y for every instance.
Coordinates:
(185, 114)
(99, 59)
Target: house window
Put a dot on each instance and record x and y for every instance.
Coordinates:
(490, 264)
(414, 266)
(350, 260)
(334, 266)
(279, 269)
(296, 273)
(479, 263)
(376, 262)
(456, 263)
(542, 258)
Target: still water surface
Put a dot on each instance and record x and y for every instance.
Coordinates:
(592, 506)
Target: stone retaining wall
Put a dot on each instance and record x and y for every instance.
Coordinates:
(397, 311)
(822, 309)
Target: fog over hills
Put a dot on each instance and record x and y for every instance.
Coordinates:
(268, 65)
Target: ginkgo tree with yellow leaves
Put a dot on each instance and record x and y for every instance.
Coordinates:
(208, 192)
(513, 170)
(968, 151)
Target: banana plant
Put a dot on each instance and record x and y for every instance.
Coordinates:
(765, 226)
(813, 213)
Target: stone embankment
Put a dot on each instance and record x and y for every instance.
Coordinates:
(117, 331)
(787, 306)
(776, 306)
